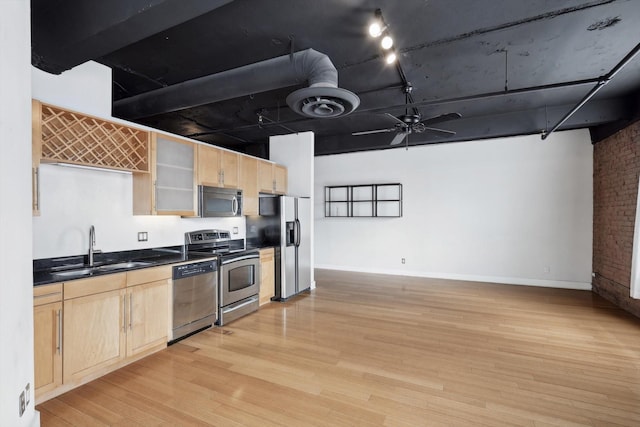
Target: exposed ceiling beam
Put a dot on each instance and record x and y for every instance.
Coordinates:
(533, 121)
(100, 28)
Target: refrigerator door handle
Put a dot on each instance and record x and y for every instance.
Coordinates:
(297, 243)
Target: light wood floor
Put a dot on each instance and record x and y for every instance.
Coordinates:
(371, 350)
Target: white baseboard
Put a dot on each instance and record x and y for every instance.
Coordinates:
(35, 422)
(560, 284)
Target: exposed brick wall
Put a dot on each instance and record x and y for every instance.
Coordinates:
(616, 167)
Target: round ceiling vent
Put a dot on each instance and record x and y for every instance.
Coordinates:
(323, 102)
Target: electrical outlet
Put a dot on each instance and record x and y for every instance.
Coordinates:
(143, 236)
(22, 404)
(547, 269)
(403, 260)
(235, 230)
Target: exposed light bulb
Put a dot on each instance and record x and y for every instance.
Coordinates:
(375, 29)
(390, 58)
(386, 42)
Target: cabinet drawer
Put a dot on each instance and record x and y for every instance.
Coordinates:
(47, 294)
(94, 285)
(146, 275)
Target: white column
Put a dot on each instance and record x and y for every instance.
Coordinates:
(16, 279)
(296, 152)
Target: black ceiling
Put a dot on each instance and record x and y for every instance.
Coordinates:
(508, 67)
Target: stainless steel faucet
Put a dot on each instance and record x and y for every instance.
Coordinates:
(92, 242)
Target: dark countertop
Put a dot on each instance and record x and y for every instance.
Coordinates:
(43, 268)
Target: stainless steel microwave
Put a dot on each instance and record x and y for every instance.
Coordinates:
(216, 202)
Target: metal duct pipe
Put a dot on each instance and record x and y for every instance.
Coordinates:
(327, 100)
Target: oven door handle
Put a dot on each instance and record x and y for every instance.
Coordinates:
(238, 306)
(241, 258)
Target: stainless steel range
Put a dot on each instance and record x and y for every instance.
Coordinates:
(238, 271)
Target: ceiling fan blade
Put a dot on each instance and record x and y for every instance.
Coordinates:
(442, 131)
(391, 116)
(399, 138)
(368, 132)
(441, 118)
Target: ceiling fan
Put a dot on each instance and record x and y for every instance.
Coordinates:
(412, 123)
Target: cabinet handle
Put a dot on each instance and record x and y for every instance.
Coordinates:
(36, 183)
(274, 185)
(124, 313)
(155, 195)
(130, 310)
(59, 337)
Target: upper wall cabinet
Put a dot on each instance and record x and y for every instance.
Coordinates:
(170, 187)
(249, 184)
(217, 168)
(272, 178)
(64, 136)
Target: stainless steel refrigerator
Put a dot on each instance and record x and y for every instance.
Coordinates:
(284, 222)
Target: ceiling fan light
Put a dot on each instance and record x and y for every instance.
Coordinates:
(390, 58)
(386, 42)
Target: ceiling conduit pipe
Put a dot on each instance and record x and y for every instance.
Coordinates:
(322, 99)
(602, 81)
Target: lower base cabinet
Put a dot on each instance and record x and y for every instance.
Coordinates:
(148, 317)
(47, 338)
(94, 333)
(99, 325)
(267, 273)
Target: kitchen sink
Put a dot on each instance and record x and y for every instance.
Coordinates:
(74, 273)
(123, 265)
(87, 271)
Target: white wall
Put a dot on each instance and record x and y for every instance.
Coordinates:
(16, 284)
(73, 199)
(513, 210)
(85, 88)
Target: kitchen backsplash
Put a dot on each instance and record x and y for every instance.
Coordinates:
(73, 199)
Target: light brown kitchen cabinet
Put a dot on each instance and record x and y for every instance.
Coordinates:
(217, 167)
(170, 186)
(94, 328)
(47, 338)
(112, 320)
(148, 305)
(229, 168)
(272, 178)
(65, 136)
(249, 184)
(267, 275)
(280, 179)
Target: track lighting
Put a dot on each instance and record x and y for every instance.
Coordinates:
(379, 28)
(375, 29)
(390, 58)
(386, 42)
